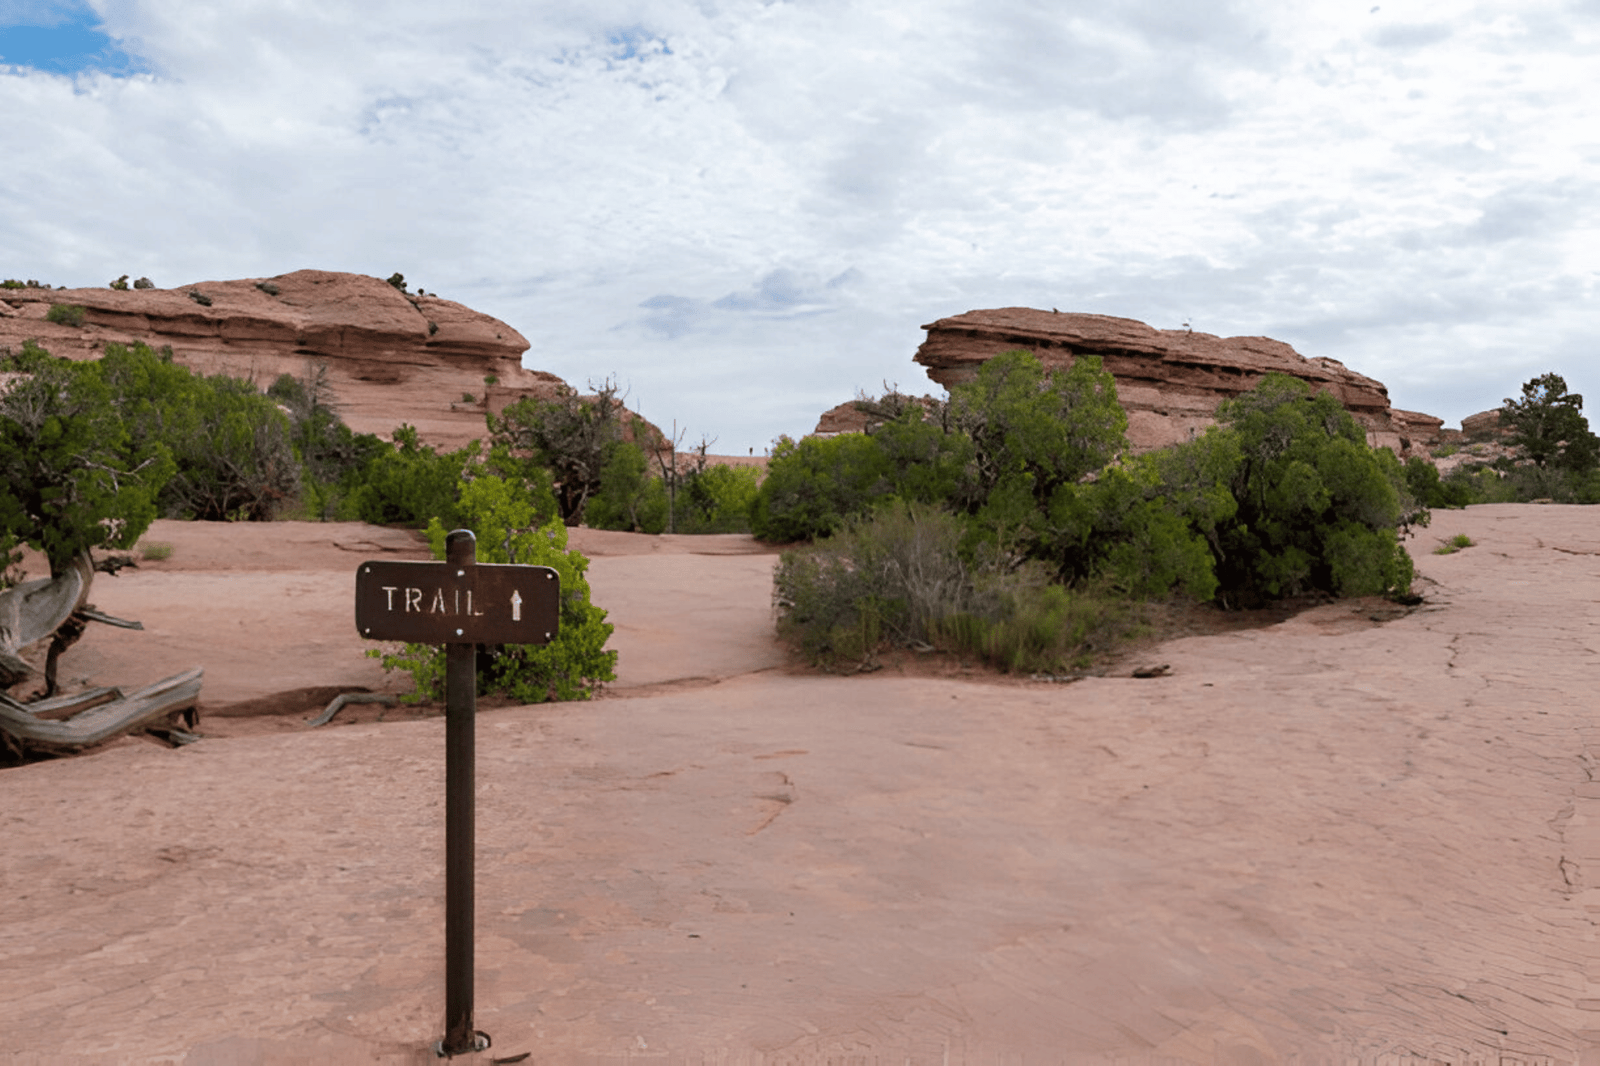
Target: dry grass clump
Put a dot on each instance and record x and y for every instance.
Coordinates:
(155, 550)
(898, 578)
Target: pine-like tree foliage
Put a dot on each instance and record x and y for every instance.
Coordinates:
(1547, 424)
(1317, 508)
(72, 475)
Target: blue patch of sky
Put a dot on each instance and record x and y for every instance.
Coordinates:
(633, 42)
(63, 39)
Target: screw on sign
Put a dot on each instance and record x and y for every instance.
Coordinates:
(460, 604)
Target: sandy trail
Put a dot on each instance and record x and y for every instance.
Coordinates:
(1325, 841)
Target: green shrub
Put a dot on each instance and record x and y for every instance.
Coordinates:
(121, 284)
(1429, 490)
(410, 484)
(65, 314)
(1148, 525)
(74, 474)
(232, 446)
(10, 561)
(1317, 508)
(199, 297)
(155, 550)
(510, 529)
(1454, 544)
(999, 451)
(628, 498)
(1035, 430)
(815, 486)
(333, 459)
(571, 436)
(715, 498)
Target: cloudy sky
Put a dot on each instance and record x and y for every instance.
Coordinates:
(745, 210)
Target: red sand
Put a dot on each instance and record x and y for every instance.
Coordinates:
(1325, 841)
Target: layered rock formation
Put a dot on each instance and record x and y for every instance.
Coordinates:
(1170, 381)
(853, 416)
(1484, 426)
(391, 356)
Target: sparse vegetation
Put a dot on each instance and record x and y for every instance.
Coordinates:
(1454, 544)
(232, 446)
(571, 436)
(65, 314)
(899, 576)
(1548, 427)
(1059, 534)
(121, 284)
(155, 550)
(1550, 454)
(268, 287)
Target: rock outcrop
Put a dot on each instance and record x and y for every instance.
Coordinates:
(391, 356)
(853, 416)
(1484, 426)
(1170, 381)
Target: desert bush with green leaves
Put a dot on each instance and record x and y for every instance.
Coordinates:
(232, 446)
(511, 527)
(1053, 529)
(66, 314)
(74, 472)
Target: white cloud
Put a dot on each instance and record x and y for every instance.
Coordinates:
(747, 209)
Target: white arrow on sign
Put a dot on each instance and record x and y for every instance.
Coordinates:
(516, 606)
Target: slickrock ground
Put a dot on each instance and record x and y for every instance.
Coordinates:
(1326, 841)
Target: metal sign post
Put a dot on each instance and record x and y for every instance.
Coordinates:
(459, 604)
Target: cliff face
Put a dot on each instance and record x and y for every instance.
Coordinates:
(392, 357)
(1170, 381)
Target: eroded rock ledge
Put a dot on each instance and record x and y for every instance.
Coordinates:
(1170, 381)
(392, 357)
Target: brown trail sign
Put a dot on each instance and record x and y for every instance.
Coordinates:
(443, 603)
(459, 604)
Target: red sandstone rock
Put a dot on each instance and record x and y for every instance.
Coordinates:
(852, 417)
(1418, 431)
(1485, 425)
(1170, 381)
(392, 357)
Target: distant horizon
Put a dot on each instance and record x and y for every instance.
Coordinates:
(929, 386)
(744, 212)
